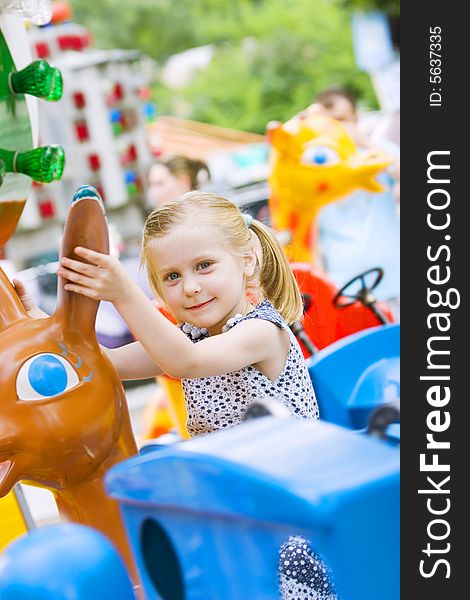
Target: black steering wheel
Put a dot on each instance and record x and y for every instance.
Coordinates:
(381, 417)
(360, 289)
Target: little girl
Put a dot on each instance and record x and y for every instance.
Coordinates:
(227, 282)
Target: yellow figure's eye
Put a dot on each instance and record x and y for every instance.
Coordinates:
(320, 156)
(45, 376)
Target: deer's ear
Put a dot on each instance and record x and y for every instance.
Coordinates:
(85, 226)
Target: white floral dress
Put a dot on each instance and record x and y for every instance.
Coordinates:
(220, 401)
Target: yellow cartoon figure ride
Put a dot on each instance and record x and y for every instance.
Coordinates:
(313, 162)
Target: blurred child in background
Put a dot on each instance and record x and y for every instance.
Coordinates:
(361, 231)
(174, 175)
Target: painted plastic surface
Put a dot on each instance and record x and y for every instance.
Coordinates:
(354, 375)
(63, 562)
(12, 522)
(314, 162)
(225, 502)
(63, 414)
(323, 322)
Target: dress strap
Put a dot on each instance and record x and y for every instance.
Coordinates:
(266, 311)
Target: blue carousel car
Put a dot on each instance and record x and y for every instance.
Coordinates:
(206, 518)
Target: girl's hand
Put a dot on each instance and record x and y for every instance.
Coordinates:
(103, 279)
(25, 298)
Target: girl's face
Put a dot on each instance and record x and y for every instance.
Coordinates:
(203, 283)
(164, 186)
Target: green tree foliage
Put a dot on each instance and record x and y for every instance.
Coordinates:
(272, 56)
(159, 28)
(390, 7)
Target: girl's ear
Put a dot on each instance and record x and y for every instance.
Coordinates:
(250, 261)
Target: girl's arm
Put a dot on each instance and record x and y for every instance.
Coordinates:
(132, 361)
(250, 342)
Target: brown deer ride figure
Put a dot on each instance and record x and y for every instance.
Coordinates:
(64, 419)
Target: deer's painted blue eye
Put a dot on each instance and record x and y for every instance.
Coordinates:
(45, 375)
(320, 156)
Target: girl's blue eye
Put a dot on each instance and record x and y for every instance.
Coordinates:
(44, 376)
(172, 276)
(320, 156)
(204, 265)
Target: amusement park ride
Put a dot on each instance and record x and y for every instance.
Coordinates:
(203, 518)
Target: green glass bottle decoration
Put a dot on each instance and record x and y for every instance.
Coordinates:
(37, 79)
(43, 164)
(3, 171)
(57, 86)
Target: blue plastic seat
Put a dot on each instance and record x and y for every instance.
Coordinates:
(355, 374)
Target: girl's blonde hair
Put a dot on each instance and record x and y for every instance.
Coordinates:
(273, 276)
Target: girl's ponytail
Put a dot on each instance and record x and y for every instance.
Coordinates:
(276, 278)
